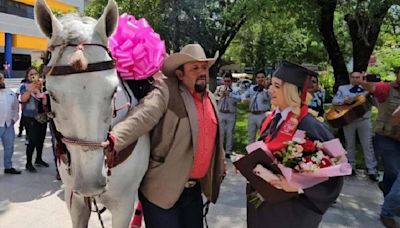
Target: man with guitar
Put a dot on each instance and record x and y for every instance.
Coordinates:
(347, 94)
(388, 143)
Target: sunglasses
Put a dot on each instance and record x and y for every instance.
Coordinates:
(314, 81)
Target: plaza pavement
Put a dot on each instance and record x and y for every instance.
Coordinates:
(37, 199)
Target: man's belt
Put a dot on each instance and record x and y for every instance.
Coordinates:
(224, 111)
(191, 183)
(258, 112)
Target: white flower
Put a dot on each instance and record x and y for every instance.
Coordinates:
(299, 140)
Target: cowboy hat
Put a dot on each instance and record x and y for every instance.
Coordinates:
(189, 53)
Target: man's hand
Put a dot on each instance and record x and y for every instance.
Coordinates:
(226, 93)
(348, 100)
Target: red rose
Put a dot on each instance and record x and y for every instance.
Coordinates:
(309, 146)
(307, 159)
(325, 162)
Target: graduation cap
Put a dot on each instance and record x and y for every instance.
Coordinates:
(296, 75)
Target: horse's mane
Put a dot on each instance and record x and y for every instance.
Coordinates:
(76, 30)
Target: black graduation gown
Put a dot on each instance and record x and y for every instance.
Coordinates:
(303, 210)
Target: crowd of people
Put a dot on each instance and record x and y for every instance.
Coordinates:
(192, 160)
(31, 99)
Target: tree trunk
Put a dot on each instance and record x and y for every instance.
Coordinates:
(325, 25)
(364, 31)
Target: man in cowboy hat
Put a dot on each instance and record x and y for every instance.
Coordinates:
(187, 156)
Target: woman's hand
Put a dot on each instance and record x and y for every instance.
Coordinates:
(236, 157)
(283, 184)
(35, 86)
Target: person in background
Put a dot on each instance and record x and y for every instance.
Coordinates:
(362, 127)
(387, 141)
(6, 67)
(318, 95)
(257, 96)
(21, 121)
(267, 83)
(8, 116)
(34, 112)
(227, 97)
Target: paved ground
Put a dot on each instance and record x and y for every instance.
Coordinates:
(37, 200)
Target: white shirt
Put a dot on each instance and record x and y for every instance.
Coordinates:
(284, 114)
(9, 107)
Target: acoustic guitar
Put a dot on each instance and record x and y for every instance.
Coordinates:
(339, 116)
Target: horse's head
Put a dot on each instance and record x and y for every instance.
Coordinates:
(81, 83)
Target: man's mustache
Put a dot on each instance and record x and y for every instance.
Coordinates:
(202, 77)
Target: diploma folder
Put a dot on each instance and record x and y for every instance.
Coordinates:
(246, 165)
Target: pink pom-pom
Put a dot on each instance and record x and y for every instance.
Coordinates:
(139, 51)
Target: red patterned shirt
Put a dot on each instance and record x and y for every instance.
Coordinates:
(207, 131)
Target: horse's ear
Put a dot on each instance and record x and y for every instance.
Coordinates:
(108, 21)
(46, 20)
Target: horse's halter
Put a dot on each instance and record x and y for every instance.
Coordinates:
(66, 70)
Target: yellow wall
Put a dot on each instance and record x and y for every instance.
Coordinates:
(54, 5)
(30, 42)
(2, 39)
(24, 41)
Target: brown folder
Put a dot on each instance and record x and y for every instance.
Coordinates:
(246, 165)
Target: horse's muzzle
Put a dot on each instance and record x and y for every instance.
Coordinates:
(90, 192)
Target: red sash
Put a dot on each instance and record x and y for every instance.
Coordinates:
(286, 130)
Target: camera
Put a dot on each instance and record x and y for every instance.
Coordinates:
(35, 78)
(373, 78)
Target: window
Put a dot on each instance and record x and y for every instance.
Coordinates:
(19, 61)
(16, 8)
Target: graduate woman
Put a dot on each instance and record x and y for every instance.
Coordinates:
(301, 207)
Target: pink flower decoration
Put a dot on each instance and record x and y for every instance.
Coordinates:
(139, 50)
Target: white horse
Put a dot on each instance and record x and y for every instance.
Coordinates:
(82, 83)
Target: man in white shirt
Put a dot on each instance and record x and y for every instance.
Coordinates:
(227, 97)
(362, 127)
(8, 116)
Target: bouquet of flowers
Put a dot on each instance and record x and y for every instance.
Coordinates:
(304, 155)
(305, 163)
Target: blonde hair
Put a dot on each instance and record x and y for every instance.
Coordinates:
(292, 96)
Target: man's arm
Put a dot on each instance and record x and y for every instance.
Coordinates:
(217, 93)
(143, 117)
(338, 99)
(235, 94)
(396, 116)
(15, 108)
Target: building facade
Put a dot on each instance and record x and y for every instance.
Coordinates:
(20, 39)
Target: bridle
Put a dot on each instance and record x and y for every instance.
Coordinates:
(65, 70)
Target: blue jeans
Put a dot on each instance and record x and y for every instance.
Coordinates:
(391, 205)
(7, 136)
(388, 148)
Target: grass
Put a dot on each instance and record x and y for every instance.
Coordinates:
(240, 136)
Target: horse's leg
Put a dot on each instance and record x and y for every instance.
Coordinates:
(122, 214)
(78, 210)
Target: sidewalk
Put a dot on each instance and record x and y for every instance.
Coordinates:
(37, 200)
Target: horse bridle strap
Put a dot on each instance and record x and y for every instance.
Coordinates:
(66, 70)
